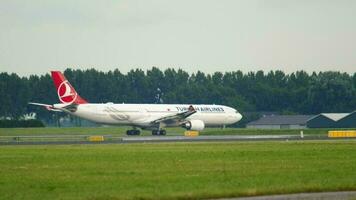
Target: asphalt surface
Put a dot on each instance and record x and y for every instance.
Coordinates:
(83, 139)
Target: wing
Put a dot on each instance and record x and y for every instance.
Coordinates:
(176, 118)
(47, 106)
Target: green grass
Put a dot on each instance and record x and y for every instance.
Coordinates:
(170, 131)
(175, 170)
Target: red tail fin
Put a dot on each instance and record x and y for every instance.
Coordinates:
(66, 92)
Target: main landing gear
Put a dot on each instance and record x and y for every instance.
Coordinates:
(133, 132)
(154, 132)
(159, 132)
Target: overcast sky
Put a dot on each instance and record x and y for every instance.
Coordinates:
(208, 35)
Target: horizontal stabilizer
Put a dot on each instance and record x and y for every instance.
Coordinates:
(47, 106)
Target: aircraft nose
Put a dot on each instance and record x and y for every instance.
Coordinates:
(238, 117)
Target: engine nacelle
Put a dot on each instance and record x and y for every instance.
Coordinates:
(195, 125)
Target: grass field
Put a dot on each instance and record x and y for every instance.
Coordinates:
(170, 131)
(175, 170)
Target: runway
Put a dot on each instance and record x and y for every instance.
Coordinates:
(109, 139)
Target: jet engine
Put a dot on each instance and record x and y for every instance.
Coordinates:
(194, 125)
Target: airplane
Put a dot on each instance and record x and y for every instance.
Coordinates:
(153, 117)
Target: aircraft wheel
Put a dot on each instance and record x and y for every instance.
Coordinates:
(133, 132)
(129, 132)
(136, 132)
(162, 132)
(159, 132)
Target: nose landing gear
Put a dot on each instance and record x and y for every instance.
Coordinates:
(154, 132)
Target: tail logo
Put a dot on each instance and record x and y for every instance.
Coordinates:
(66, 93)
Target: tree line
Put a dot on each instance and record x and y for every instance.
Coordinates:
(295, 93)
(14, 123)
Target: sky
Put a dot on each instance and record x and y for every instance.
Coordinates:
(207, 35)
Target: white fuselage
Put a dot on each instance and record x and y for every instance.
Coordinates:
(141, 115)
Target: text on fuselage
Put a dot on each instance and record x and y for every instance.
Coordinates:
(202, 109)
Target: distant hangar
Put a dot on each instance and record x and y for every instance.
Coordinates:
(323, 120)
(333, 120)
(280, 122)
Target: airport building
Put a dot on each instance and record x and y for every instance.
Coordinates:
(333, 120)
(325, 120)
(348, 121)
(322, 120)
(280, 122)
